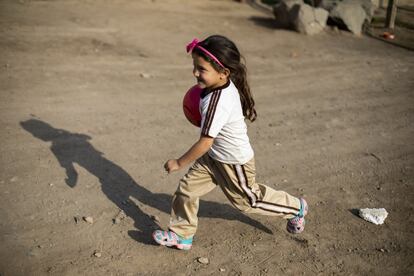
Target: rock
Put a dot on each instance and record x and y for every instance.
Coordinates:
(301, 17)
(88, 219)
(203, 260)
(33, 252)
(376, 216)
(97, 254)
(76, 219)
(145, 75)
(310, 20)
(351, 14)
(119, 217)
(222, 269)
(293, 54)
(368, 6)
(329, 4)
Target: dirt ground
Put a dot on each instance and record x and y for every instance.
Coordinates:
(90, 102)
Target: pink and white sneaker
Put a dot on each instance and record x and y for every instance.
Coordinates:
(296, 225)
(171, 239)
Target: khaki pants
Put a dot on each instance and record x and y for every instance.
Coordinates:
(238, 184)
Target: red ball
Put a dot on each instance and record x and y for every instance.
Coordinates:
(191, 105)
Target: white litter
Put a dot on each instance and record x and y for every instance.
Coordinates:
(375, 215)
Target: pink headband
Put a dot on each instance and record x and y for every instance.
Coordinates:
(195, 43)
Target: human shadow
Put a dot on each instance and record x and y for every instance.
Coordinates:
(70, 148)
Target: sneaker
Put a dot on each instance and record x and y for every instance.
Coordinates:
(171, 239)
(296, 225)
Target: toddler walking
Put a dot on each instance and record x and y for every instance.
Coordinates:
(223, 155)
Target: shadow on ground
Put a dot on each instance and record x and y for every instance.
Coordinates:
(70, 148)
(267, 22)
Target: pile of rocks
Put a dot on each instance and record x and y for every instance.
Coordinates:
(312, 19)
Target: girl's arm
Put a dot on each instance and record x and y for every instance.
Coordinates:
(195, 152)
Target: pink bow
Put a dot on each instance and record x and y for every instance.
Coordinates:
(192, 45)
(195, 43)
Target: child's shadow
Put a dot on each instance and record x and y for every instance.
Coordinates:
(70, 148)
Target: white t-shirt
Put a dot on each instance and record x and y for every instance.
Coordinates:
(222, 118)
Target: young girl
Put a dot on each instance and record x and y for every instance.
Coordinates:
(223, 155)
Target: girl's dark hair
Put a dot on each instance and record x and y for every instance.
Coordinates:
(227, 53)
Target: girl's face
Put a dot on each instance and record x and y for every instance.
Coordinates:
(206, 75)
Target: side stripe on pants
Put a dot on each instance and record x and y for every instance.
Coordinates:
(254, 202)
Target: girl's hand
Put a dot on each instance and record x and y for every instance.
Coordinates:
(195, 152)
(172, 165)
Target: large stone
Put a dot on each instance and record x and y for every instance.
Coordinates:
(368, 6)
(310, 20)
(351, 14)
(297, 15)
(329, 4)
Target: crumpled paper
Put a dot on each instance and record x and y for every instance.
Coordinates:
(374, 215)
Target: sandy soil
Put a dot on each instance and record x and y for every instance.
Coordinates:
(90, 108)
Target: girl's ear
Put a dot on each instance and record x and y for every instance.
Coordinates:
(226, 72)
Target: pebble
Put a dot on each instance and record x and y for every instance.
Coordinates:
(203, 260)
(88, 219)
(119, 217)
(294, 54)
(97, 254)
(222, 269)
(145, 75)
(76, 219)
(33, 253)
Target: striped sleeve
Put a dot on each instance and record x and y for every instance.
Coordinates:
(214, 115)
